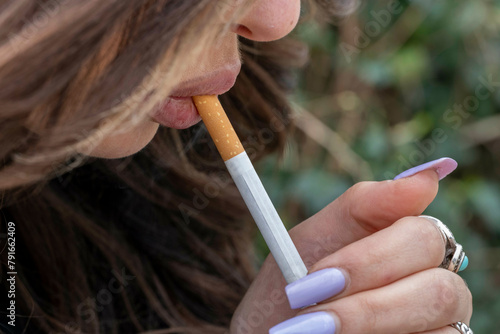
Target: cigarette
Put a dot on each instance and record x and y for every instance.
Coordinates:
(253, 192)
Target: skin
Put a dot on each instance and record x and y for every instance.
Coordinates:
(390, 289)
(390, 258)
(255, 25)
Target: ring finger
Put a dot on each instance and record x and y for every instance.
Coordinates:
(410, 245)
(426, 301)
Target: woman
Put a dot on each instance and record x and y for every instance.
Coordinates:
(122, 225)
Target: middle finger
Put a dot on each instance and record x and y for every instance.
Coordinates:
(410, 245)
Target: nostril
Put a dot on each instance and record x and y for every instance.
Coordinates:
(242, 31)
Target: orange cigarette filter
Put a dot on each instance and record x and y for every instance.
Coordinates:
(218, 125)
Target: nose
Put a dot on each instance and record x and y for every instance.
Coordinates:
(268, 20)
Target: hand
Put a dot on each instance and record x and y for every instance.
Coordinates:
(386, 279)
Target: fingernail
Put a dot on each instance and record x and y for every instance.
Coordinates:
(310, 323)
(443, 167)
(315, 287)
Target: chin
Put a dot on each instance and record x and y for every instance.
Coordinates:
(125, 144)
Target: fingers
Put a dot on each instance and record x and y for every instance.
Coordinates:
(365, 208)
(412, 244)
(422, 302)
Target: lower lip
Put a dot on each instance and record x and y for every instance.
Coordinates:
(177, 113)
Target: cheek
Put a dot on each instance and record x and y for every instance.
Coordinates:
(125, 143)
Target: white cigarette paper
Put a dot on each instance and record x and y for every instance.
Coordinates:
(255, 196)
(265, 215)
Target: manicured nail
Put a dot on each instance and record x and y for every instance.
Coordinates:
(315, 287)
(443, 167)
(310, 323)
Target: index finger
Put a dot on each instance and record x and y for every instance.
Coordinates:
(365, 208)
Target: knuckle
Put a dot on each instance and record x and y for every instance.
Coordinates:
(370, 311)
(351, 193)
(469, 305)
(430, 236)
(354, 199)
(427, 236)
(357, 191)
(466, 295)
(453, 298)
(358, 187)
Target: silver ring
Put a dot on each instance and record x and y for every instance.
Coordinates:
(454, 254)
(462, 328)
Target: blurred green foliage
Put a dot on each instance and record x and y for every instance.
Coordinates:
(387, 90)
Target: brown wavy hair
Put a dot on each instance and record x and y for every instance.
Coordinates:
(157, 240)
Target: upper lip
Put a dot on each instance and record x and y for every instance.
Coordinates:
(214, 83)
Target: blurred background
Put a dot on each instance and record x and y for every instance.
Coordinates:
(394, 85)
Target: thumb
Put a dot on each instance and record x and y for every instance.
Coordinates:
(366, 208)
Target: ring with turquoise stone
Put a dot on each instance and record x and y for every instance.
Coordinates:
(454, 257)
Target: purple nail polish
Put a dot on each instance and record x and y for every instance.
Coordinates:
(310, 323)
(315, 287)
(443, 167)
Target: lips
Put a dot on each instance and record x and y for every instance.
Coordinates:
(178, 110)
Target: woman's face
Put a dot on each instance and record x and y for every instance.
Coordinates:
(266, 20)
